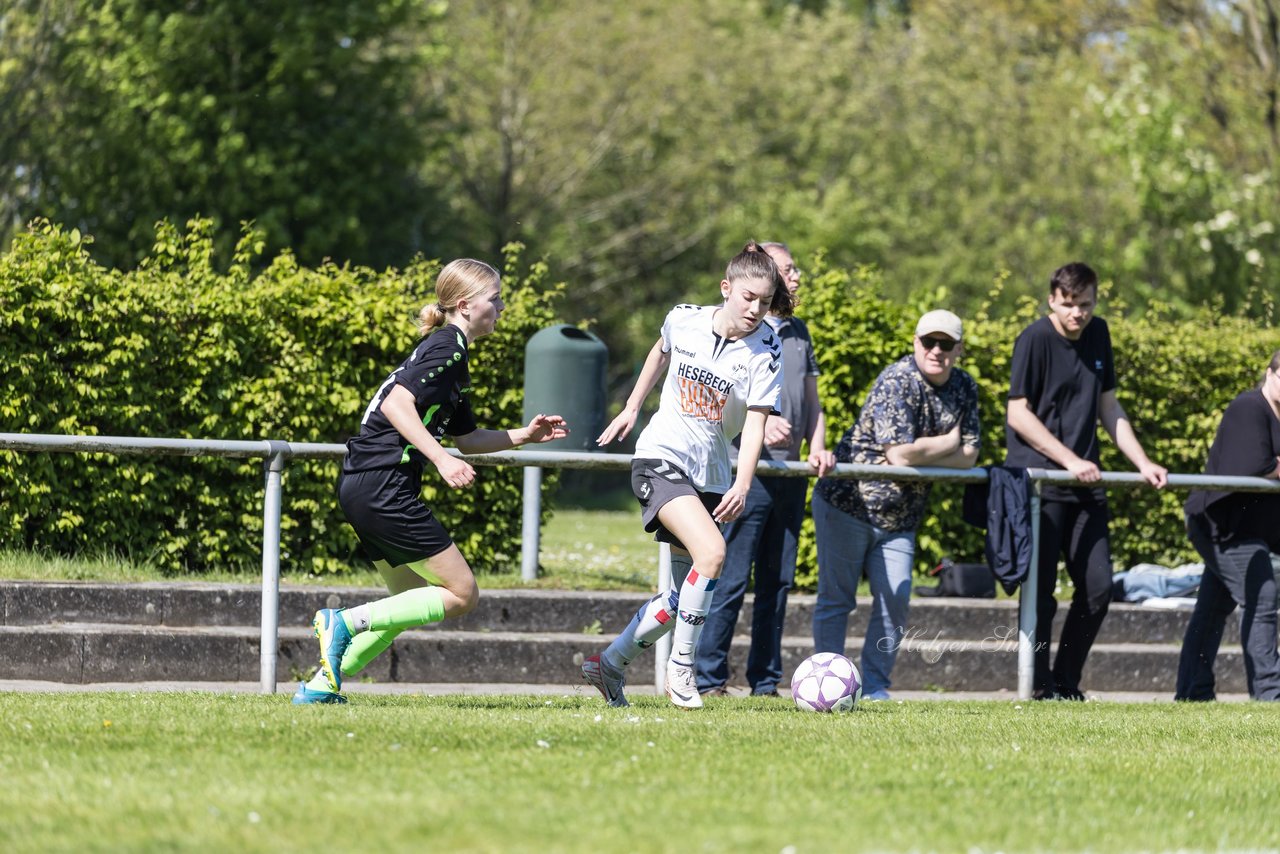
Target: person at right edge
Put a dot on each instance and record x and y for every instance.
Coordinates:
(1236, 533)
(1062, 384)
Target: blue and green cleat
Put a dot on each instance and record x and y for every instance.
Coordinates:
(331, 630)
(305, 695)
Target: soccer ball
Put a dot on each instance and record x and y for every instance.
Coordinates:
(826, 682)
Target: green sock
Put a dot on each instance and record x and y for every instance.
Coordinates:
(415, 607)
(364, 648)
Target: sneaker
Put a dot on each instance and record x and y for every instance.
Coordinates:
(714, 691)
(682, 687)
(879, 694)
(331, 631)
(305, 695)
(606, 678)
(768, 692)
(1069, 696)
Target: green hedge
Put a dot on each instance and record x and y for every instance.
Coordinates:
(1176, 377)
(180, 347)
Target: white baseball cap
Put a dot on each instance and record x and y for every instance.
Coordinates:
(940, 320)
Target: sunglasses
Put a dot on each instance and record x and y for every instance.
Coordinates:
(946, 345)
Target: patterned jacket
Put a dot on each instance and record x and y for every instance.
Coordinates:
(901, 407)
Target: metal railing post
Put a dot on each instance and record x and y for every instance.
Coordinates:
(531, 534)
(1027, 602)
(662, 649)
(269, 642)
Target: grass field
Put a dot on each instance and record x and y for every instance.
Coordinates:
(606, 549)
(253, 773)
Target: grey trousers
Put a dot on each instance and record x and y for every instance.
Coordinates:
(1238, 573)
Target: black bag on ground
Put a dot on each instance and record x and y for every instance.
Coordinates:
(970, 580)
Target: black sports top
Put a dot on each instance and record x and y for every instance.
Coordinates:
(436, 374)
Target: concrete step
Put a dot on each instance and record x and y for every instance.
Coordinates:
(177, 605)
(163, 604)
(106, 652)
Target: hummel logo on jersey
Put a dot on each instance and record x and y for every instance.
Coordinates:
(645, 490)
(686, 353)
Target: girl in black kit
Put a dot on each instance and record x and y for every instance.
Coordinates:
(424, 399)
(1237, 533)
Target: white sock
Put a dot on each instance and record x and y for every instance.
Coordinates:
(652, 621)
(694, 603)
(359, 617)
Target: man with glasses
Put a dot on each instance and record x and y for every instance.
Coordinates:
(1063, 382)
(762, 541)
(921, 411)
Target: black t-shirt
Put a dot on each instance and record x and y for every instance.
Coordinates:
(437, 375)
(1063, 382)
(1246, 445)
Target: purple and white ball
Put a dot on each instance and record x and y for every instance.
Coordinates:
(826, 682)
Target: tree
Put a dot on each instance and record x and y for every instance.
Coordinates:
(943, 154)
(1014, 137)
(290, 115)
(29, 34)
(610, 138)
(637, 146)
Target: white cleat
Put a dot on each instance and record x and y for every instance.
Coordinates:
(682, 687)
(607, 679)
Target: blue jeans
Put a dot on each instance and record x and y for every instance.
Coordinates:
(848, 548)
(764, 536)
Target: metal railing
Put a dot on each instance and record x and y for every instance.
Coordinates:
(275, 456)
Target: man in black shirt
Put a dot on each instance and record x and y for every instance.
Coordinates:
(1062, 385)
(1236, 534)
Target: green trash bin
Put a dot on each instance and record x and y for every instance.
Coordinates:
(564, 374)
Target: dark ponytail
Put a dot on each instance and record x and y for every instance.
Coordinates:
(753, 262)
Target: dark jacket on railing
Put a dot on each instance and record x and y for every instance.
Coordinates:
(1002, 506)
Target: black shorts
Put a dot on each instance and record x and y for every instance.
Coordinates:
(656, 482)
(390, 519)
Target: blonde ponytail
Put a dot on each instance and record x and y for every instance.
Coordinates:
(430, 317)
(463, 278)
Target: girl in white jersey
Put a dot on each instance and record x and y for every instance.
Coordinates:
(724, 379)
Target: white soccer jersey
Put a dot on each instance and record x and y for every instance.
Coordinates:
(710, 384)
